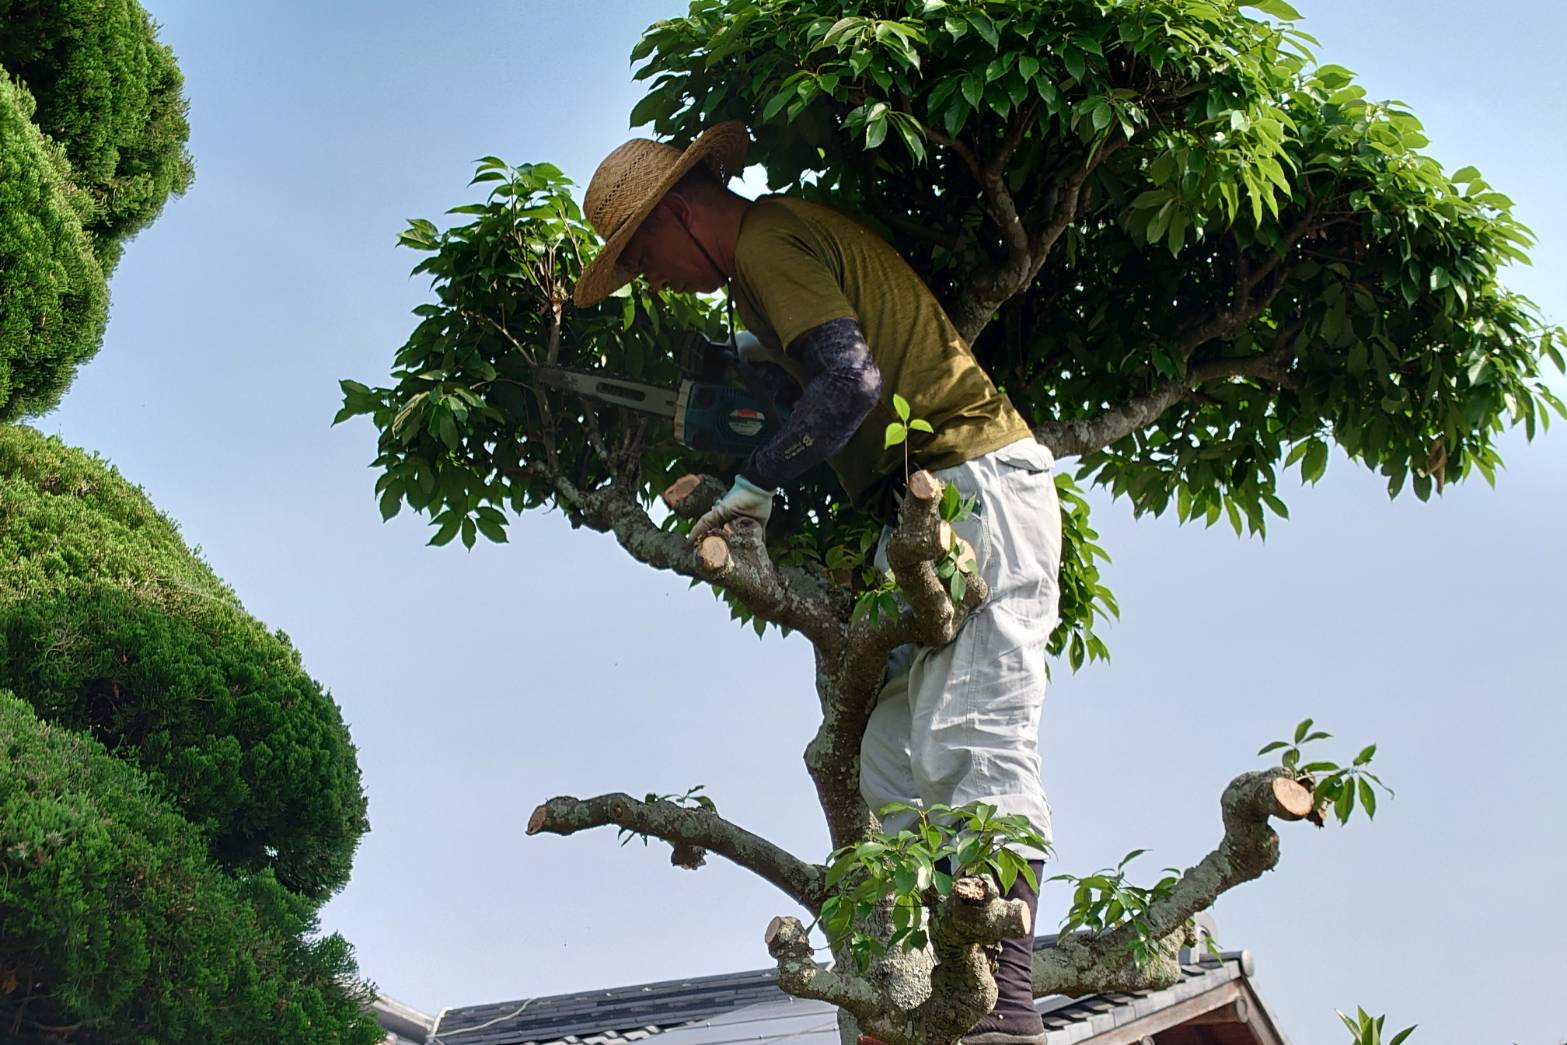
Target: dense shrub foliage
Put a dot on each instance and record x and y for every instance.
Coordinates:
(55, 303)
(115, 924)
(109, 624)
(110, 94)
(92, 144)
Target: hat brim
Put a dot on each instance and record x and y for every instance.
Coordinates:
(722, 147)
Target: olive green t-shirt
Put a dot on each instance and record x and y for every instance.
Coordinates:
(801, 264)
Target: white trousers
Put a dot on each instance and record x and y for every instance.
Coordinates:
(960, 723)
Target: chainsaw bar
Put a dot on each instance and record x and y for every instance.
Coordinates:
(649, 399)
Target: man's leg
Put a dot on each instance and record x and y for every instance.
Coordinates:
(975, 703)
(885, 774)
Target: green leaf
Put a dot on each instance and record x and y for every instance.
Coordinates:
(491, 529)
(1101, 115)
(1074, 61)
(984, 27)
(778, 101)
(1316, 461)
(1344, 804)
(912, 134)
(1368, 798)
(875, 131)
(973, 89)
(919, 424)
(901, 405)
(447, 530)
(1277, 8)
(896, 434)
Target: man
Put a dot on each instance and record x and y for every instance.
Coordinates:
(842, 312)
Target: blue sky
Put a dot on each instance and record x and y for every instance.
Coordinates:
(478, 684)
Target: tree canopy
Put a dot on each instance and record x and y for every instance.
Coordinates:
(1192, 256)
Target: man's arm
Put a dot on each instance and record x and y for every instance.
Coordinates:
(843, 384)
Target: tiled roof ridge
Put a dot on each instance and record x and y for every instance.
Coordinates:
(608, 1014)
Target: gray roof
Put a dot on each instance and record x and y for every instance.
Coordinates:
(640, 1010)
(749, 1007)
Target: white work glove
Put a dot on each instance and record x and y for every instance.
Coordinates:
(745, 499)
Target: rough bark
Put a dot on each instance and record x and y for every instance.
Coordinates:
(1080, 965)
(958, 988)
(692, 831)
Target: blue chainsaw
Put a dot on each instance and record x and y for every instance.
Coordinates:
(709, 415)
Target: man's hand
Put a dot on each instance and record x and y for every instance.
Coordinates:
(744, 498)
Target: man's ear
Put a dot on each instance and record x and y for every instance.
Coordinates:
(676, 206)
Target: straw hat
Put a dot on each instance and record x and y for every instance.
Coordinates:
(629, 184)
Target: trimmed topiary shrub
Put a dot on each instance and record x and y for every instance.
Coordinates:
(110, 94)
(111, 625)
(115, 926)
(55, 299)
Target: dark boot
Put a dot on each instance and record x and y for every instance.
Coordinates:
(1014, 1020)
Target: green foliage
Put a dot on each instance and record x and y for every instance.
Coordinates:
(910, 871)
(113, 917)
(55, 303)
(463, 430)
(1084, 598)
(109, 624)
(1335, 786)
(1366, 1029)
(110, 94)
(897, 433)
(1250, 226)
(1105, 900)
(1250, 223)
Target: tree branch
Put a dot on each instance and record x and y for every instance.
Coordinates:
(963, 928)
(1090, 964)
(1085, 435)
(691, 831)
(791, 598)
(800, 976)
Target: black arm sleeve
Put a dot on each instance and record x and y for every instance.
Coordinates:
(842, 385)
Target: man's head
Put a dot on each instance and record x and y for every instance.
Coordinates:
(664, 212)
(678, 244)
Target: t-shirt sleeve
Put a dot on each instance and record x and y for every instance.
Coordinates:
(785, 273)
